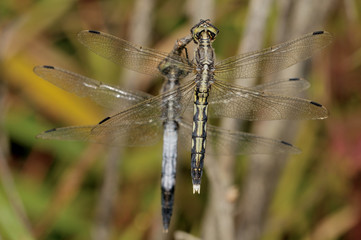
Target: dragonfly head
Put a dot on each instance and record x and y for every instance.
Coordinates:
(204, 30)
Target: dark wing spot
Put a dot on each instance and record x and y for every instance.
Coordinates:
(294, 79)
(316, 104)
(49, 67)
(50, 130)
(317, 32)
(95, 32)
(286, 143)
(105, 119)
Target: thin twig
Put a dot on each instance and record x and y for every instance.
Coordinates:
(108, 193)
(140, 31)
(179, 235)
(296, 18)
(219, 219)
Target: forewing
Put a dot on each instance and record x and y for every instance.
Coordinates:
(227, 100)
(105, 95)
(273, 59)
(139, 125)
(283, 86)
(130, 55)
(126, 135)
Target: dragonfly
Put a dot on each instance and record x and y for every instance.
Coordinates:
(205, 85)
(167, 105)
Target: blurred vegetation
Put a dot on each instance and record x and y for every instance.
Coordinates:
(49, 189)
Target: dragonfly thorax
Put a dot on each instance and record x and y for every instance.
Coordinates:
(204, 56)
(170, 68)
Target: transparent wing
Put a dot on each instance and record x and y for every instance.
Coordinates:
(243, 143)
(246, 143)
(108, 96)
(273, 59)
(130, 55)
(141, 124)
(283, 86)
(227, 100)
(126, 135)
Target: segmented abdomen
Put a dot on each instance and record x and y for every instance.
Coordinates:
(169, 164)
(199, 135)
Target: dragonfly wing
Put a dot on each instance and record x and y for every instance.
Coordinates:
(273, 59)
(130, 55)
(283, 86)
(242, 143)
(134, 135)
(245, 143)
(105, 95)
(141, 124)
(77, 133)
(227, 100)
(184, 136)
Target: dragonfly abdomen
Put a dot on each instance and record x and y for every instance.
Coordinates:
(169, 164)
(167, 206)
(199, 135)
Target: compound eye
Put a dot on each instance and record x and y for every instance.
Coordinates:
(198, 35)
(211, 35)
(165, 71)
